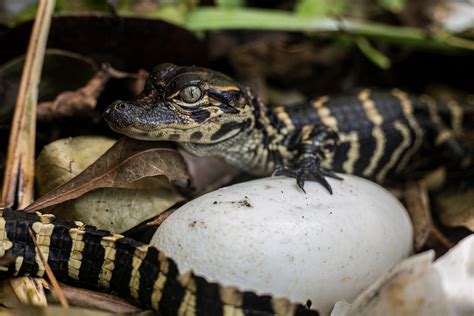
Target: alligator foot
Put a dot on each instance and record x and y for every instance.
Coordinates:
(308, 170)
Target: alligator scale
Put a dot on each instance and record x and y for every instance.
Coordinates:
(373, 134)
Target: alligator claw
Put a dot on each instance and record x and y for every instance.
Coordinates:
(308, 172)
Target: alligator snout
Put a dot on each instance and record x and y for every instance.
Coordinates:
(119, 113)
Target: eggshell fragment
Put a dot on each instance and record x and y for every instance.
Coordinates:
(417, 286)
(270, 237)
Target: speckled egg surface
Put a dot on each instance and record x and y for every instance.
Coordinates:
(270, 237)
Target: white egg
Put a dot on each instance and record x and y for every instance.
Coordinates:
(270, 237)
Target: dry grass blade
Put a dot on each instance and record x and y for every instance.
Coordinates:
(56, 288)
(127, 161)
(441, 238)
(97, 300)
(161, 218)
(20, 158)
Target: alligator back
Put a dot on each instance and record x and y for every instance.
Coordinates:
(380, 131)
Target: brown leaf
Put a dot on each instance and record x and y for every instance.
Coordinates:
(109, 208)
(127, 161)
(456, 208)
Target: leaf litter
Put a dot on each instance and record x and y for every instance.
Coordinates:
(126, 185)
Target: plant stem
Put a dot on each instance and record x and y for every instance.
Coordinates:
(211, 19)
(19, 171)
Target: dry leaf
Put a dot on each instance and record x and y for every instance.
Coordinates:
(8, 299)
(62, 160)
(456, 208)
(127, 161)
(416, 201)
(29, 290)
(117, 209)
(120, 209)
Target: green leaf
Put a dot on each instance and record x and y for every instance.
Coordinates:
(229, 3)
(395, 6)
(320, 8)
(372, 53)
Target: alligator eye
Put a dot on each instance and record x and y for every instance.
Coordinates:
(191, 94)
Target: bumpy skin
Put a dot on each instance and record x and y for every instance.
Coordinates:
(97, 258)
(373, 134)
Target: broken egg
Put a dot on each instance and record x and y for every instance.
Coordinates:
(268, 236)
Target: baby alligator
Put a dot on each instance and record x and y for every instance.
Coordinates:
(373, 134)
(97, 258)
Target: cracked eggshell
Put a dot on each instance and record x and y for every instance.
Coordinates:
(417, 286)
(269, 237)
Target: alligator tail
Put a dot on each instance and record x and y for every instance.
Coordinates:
(96, 258)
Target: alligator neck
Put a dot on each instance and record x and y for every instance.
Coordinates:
(256, 149)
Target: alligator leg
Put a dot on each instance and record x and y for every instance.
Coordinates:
(315, 144)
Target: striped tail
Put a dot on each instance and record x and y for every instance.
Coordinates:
(97, 258)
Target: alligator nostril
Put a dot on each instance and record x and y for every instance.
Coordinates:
(120, 106)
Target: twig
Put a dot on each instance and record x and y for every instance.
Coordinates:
(55, 285)
(98, 300)
(83, 101)
(19, 169)
(439, 236)
(417, 203)
(157, 221)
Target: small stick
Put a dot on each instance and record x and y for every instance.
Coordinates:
(54, 283)
(19, 169)
(161, 218)
(98, 300)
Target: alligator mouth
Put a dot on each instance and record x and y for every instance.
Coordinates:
(147, 134)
